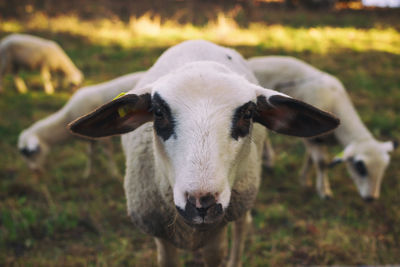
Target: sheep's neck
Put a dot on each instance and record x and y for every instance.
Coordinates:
(351, 127)
(53, 129)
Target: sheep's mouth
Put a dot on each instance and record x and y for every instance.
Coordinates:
(29, 153)
(201, 218)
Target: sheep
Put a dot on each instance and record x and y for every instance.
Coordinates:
(35, 142)
(19, 51)
(365, 157)
(193, 149)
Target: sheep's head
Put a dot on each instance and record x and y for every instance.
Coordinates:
(75, 78)
(203, 117)
(33, 151)
(366, 162)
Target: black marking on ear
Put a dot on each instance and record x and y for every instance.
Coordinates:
(242, 119)
(335, 162)
(164, 123)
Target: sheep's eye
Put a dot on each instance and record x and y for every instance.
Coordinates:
(360, 168)
(164, 122)
(158, 112)
(248, 114)
(241, 120)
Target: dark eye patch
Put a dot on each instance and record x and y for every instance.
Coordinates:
(360, 168)
(241, 120)
(164, 123)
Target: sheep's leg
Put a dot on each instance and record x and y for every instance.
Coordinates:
(46, 77)
(239, 233)
(167, 254)
(2, 72)
(20, 84)
(1, 81)
(89, 162)
(215, 251)
(108, 149)
(320, 161)
(268, 155)
(4, 68)
(305, 179)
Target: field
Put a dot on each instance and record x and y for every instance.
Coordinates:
(61, 219)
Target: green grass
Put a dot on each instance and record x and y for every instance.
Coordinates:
(60, 218)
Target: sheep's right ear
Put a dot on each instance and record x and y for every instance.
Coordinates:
(286, 115)
(119, 116)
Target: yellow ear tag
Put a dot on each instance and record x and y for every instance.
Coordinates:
(340, 155)
(122, 111)
(118, 96)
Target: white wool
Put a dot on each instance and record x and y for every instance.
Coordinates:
(198, 165)
(52, 130)
(305, 82)
(26, 51)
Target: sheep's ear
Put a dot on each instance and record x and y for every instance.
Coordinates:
(119, 116)
(347, 154)
(389, 146)
(290, 116)
(339, 158)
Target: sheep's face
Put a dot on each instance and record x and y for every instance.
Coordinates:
(75, 78)
(32, 150)
(202, 124)
(366, 163)
(203, 115)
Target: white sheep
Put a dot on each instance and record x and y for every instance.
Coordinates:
(23, 51)
(193, 153)
(35, 142)
(366, 158)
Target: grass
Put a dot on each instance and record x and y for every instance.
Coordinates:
(150, 31)
(59, 218)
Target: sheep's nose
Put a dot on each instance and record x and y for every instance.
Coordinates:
(201, 208)
(202, 203)
(369, 199)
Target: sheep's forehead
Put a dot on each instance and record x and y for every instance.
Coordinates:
(205, 88)
(28, 141)
(372, 152)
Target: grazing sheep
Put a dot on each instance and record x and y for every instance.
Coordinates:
(19, 51)
(366, 158)
(35, 142)
(193, 153)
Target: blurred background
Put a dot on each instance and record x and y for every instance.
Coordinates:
(59, 218)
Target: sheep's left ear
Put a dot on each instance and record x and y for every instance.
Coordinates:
(290, 116)
(119, 116)
(339, 158)
(389, 146)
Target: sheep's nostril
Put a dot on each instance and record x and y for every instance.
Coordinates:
(202, 204)
(369, 199)
(202, 212)
(207, 201)
(192, 200)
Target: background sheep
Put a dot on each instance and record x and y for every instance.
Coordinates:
(35, 142)
(197, 165)
(365, 157)
(22, 51)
